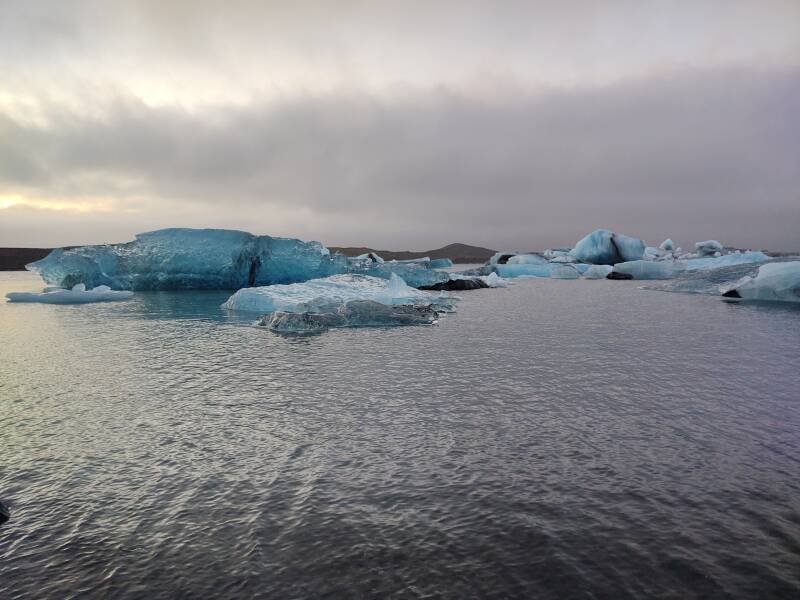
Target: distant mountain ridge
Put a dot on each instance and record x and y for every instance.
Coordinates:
(15, 259)
(458, 253)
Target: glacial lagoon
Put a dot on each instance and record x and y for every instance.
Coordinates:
(555, 438)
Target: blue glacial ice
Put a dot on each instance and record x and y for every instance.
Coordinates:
(565, 272)
(77, 295)
(727, 260)
(598, 271)
(440, 263)
(648, 269)
(604, 247)
(175, 259)
(329, 293)
(527, 259)
(774, 282)
(708, 248)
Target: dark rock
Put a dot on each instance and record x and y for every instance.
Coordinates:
(616, 275)
(5, 514)
(731, 294)
(456, 285)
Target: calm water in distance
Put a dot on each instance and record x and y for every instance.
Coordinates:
(556, 439)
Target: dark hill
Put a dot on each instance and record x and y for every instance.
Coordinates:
(15, 259)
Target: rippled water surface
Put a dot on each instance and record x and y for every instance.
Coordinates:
(554, 439)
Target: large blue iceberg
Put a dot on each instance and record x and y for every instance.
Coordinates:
(195, 259)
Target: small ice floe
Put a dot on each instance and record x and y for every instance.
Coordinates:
(77, 295)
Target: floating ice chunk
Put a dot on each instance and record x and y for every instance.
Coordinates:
(647, 269)
(737, 258)
(779, 281)
(502, 257)
(525, 270)
(493, 280)
(370, 256)
(355, 313)
(597, 272)
(191, 259)
(667, 245)
(441, 263)
(551, 253)
(527, 259)
(77, 295)
(652, 253)
(565, 272)
(604, 247)
(415, 274)
(708, 248)
(563, 259)
(319, 295)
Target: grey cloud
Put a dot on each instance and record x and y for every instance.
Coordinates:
(688, 154)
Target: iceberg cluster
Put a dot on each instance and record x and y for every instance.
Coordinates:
(77, 295)
(193, 259)
(605, 254)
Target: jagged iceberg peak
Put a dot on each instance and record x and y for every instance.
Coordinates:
(185, 259)
(605, 247)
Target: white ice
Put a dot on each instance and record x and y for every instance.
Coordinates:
(77, 295)
(322, 294)
(598, 272)
(708, 248)
(774, 282)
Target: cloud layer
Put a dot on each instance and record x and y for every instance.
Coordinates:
(521, 128)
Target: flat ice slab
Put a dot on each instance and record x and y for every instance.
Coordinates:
(77, 295)
(328, 293)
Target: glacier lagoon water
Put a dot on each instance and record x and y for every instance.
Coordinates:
(552, 439)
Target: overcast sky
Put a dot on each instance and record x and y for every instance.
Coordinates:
(401, 124)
